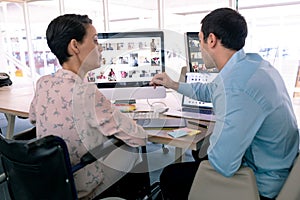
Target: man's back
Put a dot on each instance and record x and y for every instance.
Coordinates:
(276, 142)
(255, 116)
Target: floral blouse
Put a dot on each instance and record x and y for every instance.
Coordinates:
(76, 111)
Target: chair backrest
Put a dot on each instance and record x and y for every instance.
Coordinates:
(26, 165)
(209, 184)
(291, 188)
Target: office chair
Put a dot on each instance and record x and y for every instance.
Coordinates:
(209, 184)
(39, 169)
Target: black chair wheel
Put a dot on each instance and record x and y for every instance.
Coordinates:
(165, 150)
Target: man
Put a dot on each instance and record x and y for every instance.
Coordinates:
(255, 123)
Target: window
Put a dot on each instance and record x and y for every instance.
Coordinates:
(274, 27)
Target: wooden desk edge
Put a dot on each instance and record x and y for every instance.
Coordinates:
(15, 113)
(194, 144)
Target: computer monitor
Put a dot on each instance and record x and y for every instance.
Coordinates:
(194, 58)
(129, 61)
(197, 69)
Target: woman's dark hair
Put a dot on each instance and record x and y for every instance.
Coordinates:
(62, 30)
(228, 25)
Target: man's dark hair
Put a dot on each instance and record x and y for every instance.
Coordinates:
(228, 25)
(62, 30)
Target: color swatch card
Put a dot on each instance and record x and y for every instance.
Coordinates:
(183, 132)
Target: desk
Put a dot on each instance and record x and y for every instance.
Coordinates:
(187, 142)
(15, 101)
(173, 101)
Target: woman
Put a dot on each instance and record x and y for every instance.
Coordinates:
(66, 106)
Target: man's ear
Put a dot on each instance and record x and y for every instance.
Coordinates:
(73, 47)
(212, 40)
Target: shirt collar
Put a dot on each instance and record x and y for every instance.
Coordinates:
(67, 74)
(231, 63)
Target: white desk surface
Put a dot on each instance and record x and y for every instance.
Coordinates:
(15, 101)
(173, 101)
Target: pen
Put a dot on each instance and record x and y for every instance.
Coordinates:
(197, 124)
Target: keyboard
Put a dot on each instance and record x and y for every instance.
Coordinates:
(142, 115)
(197, 110)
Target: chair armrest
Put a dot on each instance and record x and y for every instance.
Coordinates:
(98, 152)
(2, 177)
(154, 191)
(209, 184)
(27, 134)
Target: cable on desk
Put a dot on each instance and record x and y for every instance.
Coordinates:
(159, 109)
(157, 102)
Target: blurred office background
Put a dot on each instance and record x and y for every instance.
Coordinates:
(274, 29)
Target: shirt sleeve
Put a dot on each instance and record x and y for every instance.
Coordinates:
(110, 121)
(191, 90)
(238, 118)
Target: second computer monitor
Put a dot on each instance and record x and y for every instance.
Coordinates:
(197, 70)
(194, 57)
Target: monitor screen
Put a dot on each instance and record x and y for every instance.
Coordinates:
(129, 61)
(197, 69)
(194, 58)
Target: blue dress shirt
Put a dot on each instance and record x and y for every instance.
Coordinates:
(255, 122)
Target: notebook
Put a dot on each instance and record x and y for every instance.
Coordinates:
(192, 105)
(191, 108)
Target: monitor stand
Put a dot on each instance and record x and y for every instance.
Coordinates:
(130, 94)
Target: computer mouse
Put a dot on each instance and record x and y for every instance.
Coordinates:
(161, 109)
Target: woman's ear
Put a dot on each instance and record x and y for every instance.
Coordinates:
(73, 47)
